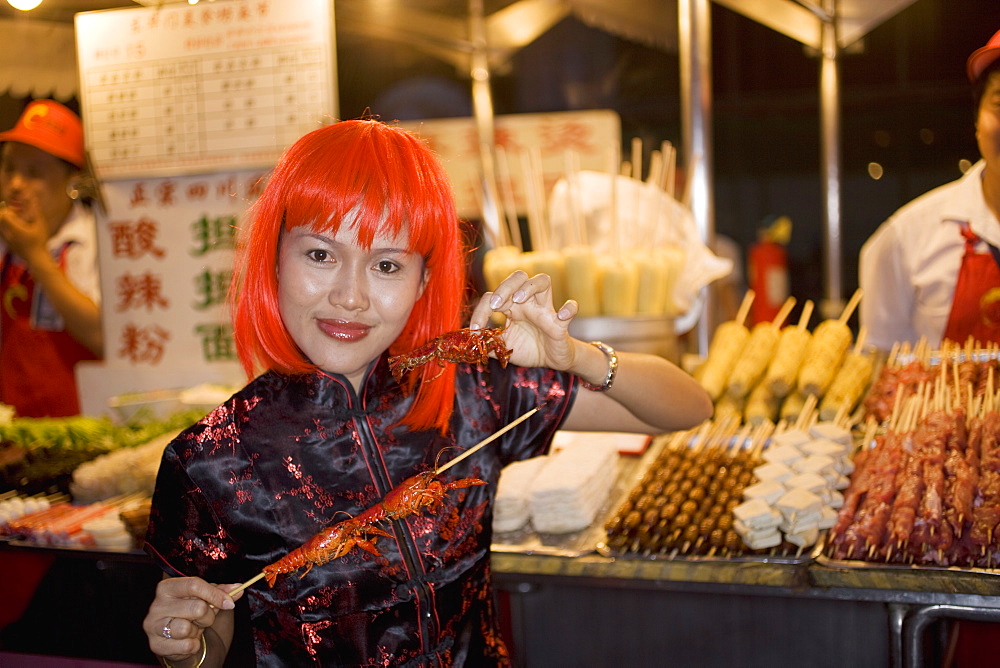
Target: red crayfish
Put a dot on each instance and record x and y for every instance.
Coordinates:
(461, 345)
(423, 490)
(330, 543)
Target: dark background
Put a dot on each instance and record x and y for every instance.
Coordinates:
(905, 104)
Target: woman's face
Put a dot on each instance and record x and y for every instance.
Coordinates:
(988, 125)
(344, 305)
(33, 183)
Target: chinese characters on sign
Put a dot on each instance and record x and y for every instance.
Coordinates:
(589, 134)
(166, 260)
(178, 89)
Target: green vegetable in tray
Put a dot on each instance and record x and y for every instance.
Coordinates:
(40, 454)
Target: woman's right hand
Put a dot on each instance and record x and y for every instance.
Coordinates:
(181, 611)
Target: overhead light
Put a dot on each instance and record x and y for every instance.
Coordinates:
(24, 5)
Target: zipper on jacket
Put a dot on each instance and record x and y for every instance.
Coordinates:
(407, 547)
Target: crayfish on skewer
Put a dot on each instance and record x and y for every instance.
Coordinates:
(461, 345)
(423, 490)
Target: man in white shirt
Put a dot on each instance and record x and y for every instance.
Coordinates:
(929, 270)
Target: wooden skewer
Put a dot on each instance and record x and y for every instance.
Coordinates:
(807, 310)
(851, 305)
(507, 190)
(670, 167)
(489, 439)
(741, 315)
(440, 469)
(786, 308)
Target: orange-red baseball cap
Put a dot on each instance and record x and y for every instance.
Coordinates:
(983, 57)
(50, 126)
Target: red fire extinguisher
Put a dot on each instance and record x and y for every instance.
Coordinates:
(767, 264)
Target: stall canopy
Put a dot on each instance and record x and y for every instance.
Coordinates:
(462, 31)
(38, 59)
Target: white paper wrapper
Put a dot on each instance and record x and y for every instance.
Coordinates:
(647, 218)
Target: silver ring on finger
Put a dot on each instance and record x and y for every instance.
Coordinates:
(166, 629)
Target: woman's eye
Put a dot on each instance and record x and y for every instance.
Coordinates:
(318, 254)
(387, 266)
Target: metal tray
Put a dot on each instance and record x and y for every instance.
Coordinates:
(585, 541)
(821, 558)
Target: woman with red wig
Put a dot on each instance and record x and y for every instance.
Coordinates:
(354, 253)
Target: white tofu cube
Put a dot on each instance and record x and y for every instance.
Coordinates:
(824, 446)
(832, 431)
(794, 437)
(811, 482)
(827, 518)
(756, 514)
(773, 471)
(798, 502)
(803, 538)
(768, 490)
(817, 464)
(785, 454)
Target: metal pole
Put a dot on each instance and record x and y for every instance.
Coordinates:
(482, 107)
(833, 303)
(694, 46)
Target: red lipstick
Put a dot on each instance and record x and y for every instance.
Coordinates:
(343, 330)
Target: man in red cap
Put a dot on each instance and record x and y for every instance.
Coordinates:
(932, 270)
(49, 289)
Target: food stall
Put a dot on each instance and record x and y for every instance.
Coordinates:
(577, 598)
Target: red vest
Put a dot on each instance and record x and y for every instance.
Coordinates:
(975, 308)
(37, 355)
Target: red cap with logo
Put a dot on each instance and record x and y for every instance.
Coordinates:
(983, 58)
(50, 126)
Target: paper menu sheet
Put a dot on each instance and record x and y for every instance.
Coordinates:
(181, 89)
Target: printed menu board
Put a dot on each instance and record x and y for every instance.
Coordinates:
(190, 89)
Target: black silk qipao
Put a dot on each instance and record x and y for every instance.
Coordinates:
(289, 455)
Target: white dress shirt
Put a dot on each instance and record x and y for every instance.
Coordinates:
(909, 266)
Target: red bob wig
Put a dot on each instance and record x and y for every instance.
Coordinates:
(382, 179)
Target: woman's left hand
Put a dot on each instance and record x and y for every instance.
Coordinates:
(537, 333)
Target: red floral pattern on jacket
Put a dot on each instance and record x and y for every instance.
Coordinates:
(289, 455)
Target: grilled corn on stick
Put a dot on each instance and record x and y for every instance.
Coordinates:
(727, 344)
(823, 356)
(727, 408)
(792, 407)
(757, 353)
(761, 406)
(826, 351)
(791, 349)
(849, 383)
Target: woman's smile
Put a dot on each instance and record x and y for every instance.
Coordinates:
(343, 330)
